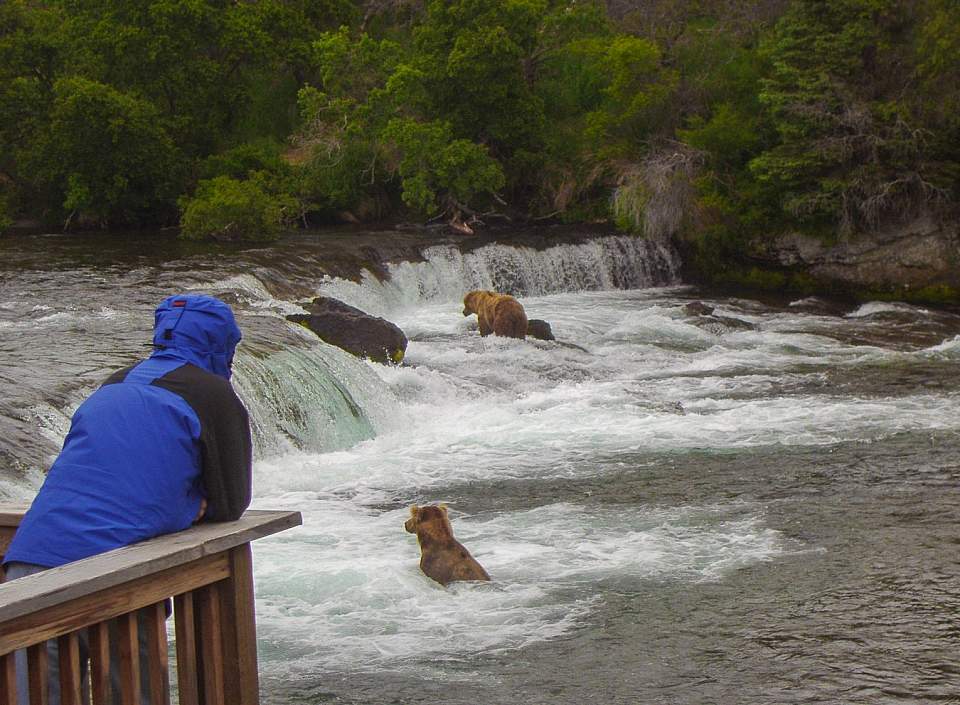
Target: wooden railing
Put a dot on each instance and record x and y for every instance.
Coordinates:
(101, 603)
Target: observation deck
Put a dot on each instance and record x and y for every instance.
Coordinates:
(207, 572)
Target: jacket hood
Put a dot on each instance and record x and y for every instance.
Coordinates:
(197, 329)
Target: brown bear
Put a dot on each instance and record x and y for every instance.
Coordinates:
(500, 314)
(442, 557)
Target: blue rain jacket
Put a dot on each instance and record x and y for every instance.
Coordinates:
(148, 445)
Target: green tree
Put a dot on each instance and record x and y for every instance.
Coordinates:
(105, 157)
(440, 172)
(479, 65)
(6, 217)
(850, 151)
(635, 97)
(728, 129)
(173, 53)
(343, 164)
(471, 56)
(30, 60)
(230, 209)
(938, 74)
(203, 63)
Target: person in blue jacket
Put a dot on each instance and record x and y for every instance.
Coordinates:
(161, 445)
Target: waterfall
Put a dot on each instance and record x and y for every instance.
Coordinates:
(446, 273)
(315, 397)
(307, 395)
(302, 393)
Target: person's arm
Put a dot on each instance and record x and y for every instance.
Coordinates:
(226, 449)
(227, 455)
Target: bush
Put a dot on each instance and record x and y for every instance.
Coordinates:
(438, 171)
(242, 160)
(106, 156)
(227, 209)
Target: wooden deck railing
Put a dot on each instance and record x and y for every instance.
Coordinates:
(103, 602)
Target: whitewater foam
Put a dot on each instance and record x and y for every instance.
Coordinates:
(345, 593)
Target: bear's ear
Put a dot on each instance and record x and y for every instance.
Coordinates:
(413, 510)
(442, 507)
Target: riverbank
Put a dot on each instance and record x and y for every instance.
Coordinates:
(917, 262)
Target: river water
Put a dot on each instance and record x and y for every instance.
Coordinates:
(758, 506)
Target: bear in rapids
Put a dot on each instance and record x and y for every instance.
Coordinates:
(442, 557)
(500, 314)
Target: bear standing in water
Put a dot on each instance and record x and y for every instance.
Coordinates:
(500, 314)
(442, 557)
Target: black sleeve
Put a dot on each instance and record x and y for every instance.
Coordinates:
(226, 447)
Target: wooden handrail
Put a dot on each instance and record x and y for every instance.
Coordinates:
(207, 568)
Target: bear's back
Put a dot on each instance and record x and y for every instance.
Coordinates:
(451, 562)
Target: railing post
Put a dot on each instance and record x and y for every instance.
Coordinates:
(37, 670)
(240, 630)
(186, 639)
(210, 642)
(98, 636)
(158, 666)
(8, 680)
(128, 651)
(69, 657)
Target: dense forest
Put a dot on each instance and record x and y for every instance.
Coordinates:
(714, 120)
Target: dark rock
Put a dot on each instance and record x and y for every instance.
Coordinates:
(353, 330)
(720, 325)
(704, 317)
(734, 323)
(924, 252)
(537, 328)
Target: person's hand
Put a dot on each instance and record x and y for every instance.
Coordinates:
(203, 510)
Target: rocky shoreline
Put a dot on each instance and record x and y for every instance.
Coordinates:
(919, 262)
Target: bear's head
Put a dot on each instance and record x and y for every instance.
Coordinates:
(471, 302)
(431, 520)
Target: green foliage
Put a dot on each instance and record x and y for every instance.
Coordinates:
(716, 120)
(351, 69)
(849, 152)
(727, 125)
(342, 177)
(225, 208)
(730, 136)
(464, 91)
(635, 96)
(30, 59)
(342, 160)
(940, 294)
(438, 170)
(284, 32)
(178, 54)
(938, 71)
(471, 57)
(239, 162)
(105, 155)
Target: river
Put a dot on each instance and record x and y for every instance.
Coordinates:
(758, 506)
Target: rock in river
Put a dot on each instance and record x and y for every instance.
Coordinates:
(353, 330)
